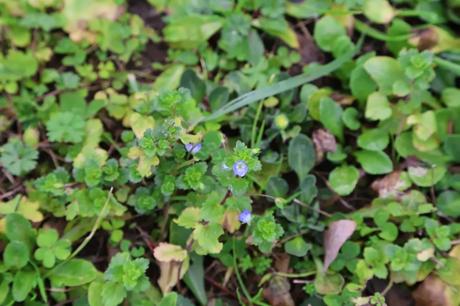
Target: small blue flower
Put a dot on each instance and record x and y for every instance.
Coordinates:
(245, 216)
(193, 148)
(240, 168)
(189, 147)
(196, 148)
(225, 167)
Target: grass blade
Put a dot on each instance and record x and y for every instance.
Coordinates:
(291, 83)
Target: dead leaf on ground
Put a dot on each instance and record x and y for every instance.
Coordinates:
(389, 185)
(173, 262)
(324, 142)
(278, 292)
(434, 292)
(334, 238)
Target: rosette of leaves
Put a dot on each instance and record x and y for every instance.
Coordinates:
(124, 275)
(17, 157)
(265, 232)
(51, 248)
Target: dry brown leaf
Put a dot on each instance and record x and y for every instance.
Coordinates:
(389, 185)
(173, 262)
(434, 292)
(335, 236)
(324, 142)
(278, 292)
(231, 221)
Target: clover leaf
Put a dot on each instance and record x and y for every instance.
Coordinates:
(50, 247)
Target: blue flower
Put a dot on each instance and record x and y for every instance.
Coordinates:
(245, 216)
(240, 168)
(193, 148)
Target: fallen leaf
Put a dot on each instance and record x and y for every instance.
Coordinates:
(167, 252)
(324, 142)
(434, 292)
(389, 185)
(335, 236)
(173, 262)
(278, 292)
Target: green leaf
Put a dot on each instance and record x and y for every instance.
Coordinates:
(378, 11)
(17, 157)
(113, 293)
(17, 65)
(451, 97)
(75, 272)
(343, 179)
(194, 279)
(361, 83)
(189, 217)
(66, 127)
(330, 115)
(297, 247)
(170, 78)
(329, 283)
(385, 71)
(24, 281)
(308, 190)
(426, 177)
(452, 146)
(301, 155)
(327, 31)
(207, 237)
(16, 255)
(17, 228)
(189, 32)
(277, 186)
(378, 107)
(373, 140)
(169, 299)
(350, 118)
(448, 203)
(279, 28)
(374, 162)
(196, 86)
(95, 294)
(282, 86)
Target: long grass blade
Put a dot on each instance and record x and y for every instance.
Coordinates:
(284, 85)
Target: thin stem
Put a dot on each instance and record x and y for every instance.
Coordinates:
(238, 276)
(89, 237)
(296, 275)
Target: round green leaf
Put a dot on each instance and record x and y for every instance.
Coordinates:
(343, 179)
(378, 11)
(448, 203)
(377, 107)
(16, 255)
(385, 71)
(297, 247)
(327, 31)
(373, 140)
(426, 177)
(374, 162)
